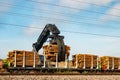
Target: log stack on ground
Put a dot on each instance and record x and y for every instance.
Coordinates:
(86, 61)
(23, 57)
(51, 50)
(108, 62)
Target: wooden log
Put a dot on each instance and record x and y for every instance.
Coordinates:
(51, 50)
(90, 60)
(29, 57)
(108, 62)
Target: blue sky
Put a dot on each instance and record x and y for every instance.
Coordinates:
(86, 16)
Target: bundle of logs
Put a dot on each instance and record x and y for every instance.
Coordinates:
(23, 58)
(51, 50)
(108, 62)
(85, 61)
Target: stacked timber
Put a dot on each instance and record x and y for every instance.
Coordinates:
(23, 58)
(70, 64)
(116, 62)
(61, 64)
(86, 61)
(108, 62)
(51, 50)
(64, 64)
(104, 60)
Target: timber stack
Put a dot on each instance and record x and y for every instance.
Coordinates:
(23, 58)
(51, 50)
(108, 62)
(85, 61)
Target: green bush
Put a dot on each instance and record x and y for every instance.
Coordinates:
(6, 63)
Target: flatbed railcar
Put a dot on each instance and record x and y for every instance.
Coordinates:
(39, 70)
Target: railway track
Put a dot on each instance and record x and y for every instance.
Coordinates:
(54, 71)
(110, 73)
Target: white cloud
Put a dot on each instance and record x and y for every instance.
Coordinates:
(38, 7)
(36, 27)
(83, 4)
(31, 30)
(45, 11)
(74, 4)
(4, 7)
(112, 11)
(50, 11)
(100, 2)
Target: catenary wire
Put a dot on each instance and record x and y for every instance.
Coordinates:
(61, 30)
(69, 15)
(71, 8)
(61, 20)
(55, 12)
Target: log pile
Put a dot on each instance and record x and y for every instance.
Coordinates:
(61, 64)
(51, 50)
(86, 61)
(116, 62)
(108, 62)
(22, 57)
(70, 64)
(104, 62)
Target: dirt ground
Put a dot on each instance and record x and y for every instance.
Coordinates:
(60, 77)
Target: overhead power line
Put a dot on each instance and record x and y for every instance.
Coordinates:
(55, 12)
(71, 8)
(61, 20)
(63, 7)
(16, 25)
(58, 13)
(91, 34)
(64, 14)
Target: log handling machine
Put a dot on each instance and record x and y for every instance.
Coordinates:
(55, 54)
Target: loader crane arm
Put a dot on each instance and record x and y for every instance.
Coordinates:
(52, 32)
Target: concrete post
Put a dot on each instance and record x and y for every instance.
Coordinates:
(34, 60)
(66, 61)
(108, 64)
(97, 62)
(76, 61)
(84, 62)
(56, 60)
(91, 61)
(112, 62)
(44, 61)
(15, 59)
(24, 59)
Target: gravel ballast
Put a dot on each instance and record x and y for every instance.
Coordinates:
(59, 77)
